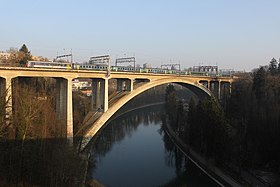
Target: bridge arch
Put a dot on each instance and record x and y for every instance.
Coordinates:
(196, 87)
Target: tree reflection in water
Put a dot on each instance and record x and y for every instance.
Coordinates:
(184, 172)
(121, 127)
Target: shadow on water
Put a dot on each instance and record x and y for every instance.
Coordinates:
(123, 126)
(175, 169)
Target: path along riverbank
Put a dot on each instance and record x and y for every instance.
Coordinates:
(212, 171)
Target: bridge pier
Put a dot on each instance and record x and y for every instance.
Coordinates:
(225, 89)
(120, 85)
(219, 88)
(70, 126)
(215, 88)
(124, 85)
(6, 96)
(64, 107)
(100, 94)
(61, 104)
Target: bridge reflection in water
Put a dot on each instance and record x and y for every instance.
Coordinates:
(133, 150)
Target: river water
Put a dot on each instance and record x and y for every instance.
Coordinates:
(133, 150)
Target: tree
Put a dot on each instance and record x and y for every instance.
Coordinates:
(273, 66)
(279, 67)
(171, 107)
(259, 84)
(19, 57)
(24, 55)
(191, 130)
(169, 89)
(181, 118)
(24, 49)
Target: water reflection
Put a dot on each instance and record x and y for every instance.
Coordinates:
(124, 125)
(133, 150)
(187, 174)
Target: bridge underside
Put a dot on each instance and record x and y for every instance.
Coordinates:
(199, 90)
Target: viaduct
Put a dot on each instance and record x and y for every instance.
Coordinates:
(130, 83)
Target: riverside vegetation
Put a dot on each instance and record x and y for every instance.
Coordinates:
(33, 149)
(243, 134)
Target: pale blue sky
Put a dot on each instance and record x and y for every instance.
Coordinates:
(237, 34)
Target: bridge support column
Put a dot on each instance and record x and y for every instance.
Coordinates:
(215, 88)
(94, 94)
(230, 88)
(64, 107)
(219, 89)
(6, 95)
(61, 104)
(131, 84)
(106, 94)
(128, 84)
(120, 85)
(70, 126)
(124, 85)
(3, 95)
(225, 89)
(100, 94)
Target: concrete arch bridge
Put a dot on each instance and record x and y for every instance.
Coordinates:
(135, 84)
(129, 84)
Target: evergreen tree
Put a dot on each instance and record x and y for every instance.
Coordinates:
(24, 55)
(24, 49)
(191, 118)
(169, 89)
(259, 84)
(180, 119)
(273, 66)
(171, 108)
(279, 67)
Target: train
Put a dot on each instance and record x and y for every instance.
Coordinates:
(104, 67)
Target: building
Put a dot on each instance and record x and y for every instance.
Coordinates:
(83, 85)
(4, 56)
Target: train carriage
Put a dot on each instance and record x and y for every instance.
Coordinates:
(55, 65)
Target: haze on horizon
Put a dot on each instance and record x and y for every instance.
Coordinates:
(239, 35)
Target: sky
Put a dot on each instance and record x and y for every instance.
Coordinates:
(233, 34)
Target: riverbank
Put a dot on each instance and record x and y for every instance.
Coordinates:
(212, 171)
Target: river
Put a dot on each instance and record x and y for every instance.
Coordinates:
(133, 150)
